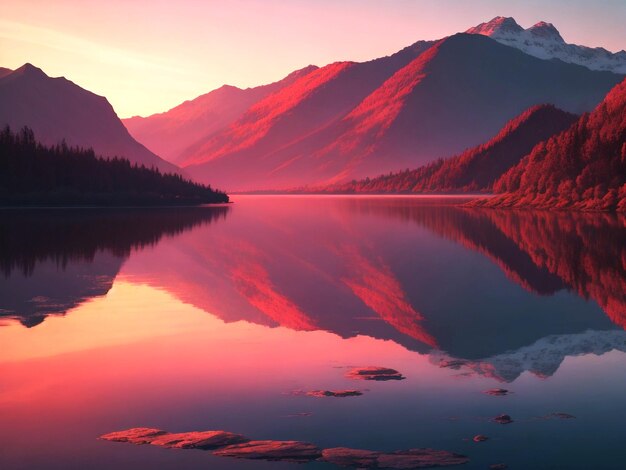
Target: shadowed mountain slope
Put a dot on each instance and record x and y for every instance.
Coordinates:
(57, 109)
(475, 169)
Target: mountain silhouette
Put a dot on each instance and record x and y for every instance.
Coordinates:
(57, 109)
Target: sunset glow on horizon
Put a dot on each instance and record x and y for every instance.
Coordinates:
(147, 57)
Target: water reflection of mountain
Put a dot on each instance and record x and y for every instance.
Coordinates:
(482, 285)
(542, 358)
(374, 267)
(52, 260)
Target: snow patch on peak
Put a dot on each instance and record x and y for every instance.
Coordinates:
(498, 26)
(544, 41)
(546, 31)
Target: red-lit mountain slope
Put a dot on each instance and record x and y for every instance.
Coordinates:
(475, 169)
(345, 121)
(170, 133)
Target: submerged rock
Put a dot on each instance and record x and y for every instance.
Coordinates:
(420, 458)
(375, 373)
(560, 416)
(503, 419)
(497, 392)
(480, 438)
(334, 393)
(134, 435)
(404, 459)
(346, 457)
(292, 451)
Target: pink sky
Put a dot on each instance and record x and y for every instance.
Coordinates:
(147, 56)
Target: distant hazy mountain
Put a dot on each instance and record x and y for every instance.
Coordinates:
(475, 169)
(56, 109)
(168, 134)
(345, 121)
(581, 168)
(543, 40)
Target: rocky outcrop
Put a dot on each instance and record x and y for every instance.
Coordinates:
(227, 444)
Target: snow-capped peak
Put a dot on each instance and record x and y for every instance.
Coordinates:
(544, 41)
(499, 26)
(546, 31)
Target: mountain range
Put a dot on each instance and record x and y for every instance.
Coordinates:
(340, 122)
(57, 109)
(170, 133)
(352, 120)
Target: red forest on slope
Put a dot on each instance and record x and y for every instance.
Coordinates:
(583, 168)
(477, 168)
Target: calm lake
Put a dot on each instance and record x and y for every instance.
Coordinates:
(222, 317)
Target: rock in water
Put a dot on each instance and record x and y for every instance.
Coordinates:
(403, 459)
(375, 373)
(134, 435)
(291, 451)
(226, 444)
(561, 416)
(497, 392)
(346, 457)
(199, 440)
(503, 419)
(334, 393)
(420, 458)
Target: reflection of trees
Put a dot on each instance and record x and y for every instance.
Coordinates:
(31, 236)
(53, 260)
(542, 251)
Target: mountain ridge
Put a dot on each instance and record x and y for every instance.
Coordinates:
(544, 41)
(169, 133)
(57, 109)
(436, 95)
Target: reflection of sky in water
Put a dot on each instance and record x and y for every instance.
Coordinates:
(350, 285)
